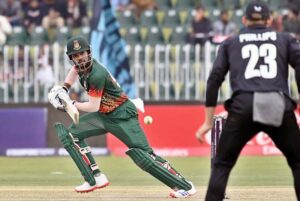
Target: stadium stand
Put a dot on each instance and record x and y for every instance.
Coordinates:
(62, 34)
(17, 37)
(148, 18)
(38, 36)
(182, 67)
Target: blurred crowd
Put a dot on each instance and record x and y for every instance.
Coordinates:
(41, 13)
(221, 21)
(205, 23)
(75, 13)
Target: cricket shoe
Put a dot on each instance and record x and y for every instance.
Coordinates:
(183, 193)
(101, 182)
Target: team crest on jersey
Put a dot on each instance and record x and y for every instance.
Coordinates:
(76, 45)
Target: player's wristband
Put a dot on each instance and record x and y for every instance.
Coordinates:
(66, 89)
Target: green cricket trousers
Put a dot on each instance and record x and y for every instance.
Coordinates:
(122, 123)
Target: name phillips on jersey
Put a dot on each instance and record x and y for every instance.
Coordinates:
(248, 37)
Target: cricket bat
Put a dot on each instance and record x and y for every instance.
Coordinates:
(72, 112)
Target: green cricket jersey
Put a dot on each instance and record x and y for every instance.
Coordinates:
(100, 83)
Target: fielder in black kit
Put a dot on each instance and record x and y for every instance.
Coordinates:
(257, 59)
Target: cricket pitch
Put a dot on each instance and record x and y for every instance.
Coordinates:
(138, 193)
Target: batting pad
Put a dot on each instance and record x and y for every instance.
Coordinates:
(67, 140)
(148, 163)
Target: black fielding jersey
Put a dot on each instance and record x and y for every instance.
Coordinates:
(257, 59)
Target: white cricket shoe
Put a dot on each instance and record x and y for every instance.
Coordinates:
(183, 193)
(101, 182)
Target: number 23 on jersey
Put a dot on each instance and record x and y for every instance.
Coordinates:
(268, 51)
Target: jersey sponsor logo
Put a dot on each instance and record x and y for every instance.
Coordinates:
(250, 37)
(110, 102)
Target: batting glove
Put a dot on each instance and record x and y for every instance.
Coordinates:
(58, 97)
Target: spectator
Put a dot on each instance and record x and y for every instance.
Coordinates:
(33, 15)
(59, 6)
(235, 4)
(52, 20)
(139, 6)
(292, 23)
(17, 70)
(76, 15)
(5, 29)
(45, 75)
(223, 27)
(277, 21)
(291, 4)
(119, 5)
(12, 10)
(49, 4)
(24, 4)
(201, 27)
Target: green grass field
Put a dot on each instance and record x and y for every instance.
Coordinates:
(53, 178)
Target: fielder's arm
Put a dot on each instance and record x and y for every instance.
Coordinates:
(207, 125)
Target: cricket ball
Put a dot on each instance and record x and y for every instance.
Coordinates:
(148, 120)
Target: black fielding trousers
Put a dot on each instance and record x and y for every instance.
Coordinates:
(237, 131)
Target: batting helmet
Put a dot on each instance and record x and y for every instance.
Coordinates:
(78, 44)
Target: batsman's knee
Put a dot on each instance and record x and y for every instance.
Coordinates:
(141, 158)
(77, 153)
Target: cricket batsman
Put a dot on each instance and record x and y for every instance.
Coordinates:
(108, 110)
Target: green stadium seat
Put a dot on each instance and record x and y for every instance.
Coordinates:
(51, 35)
(230, 4)
(214, 14)
(237, 18)
(126, 18)
(179, 35)
(164, 4)
(184, 16)
(166, 33)
(17, 37)
(148, 18)
(184, 4)
(154, 36)
(62, 35)
(85, 31)
(123, 32)
(275, 4)
(75, 31)
(198, 3)
(38, 36)
(143, 34)
(133, 36)
(208, 4)
(171, 18)
(160, 15)
(173, 3)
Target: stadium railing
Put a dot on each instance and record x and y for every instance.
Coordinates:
(160, 72)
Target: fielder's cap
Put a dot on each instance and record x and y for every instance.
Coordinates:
(257, 10)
